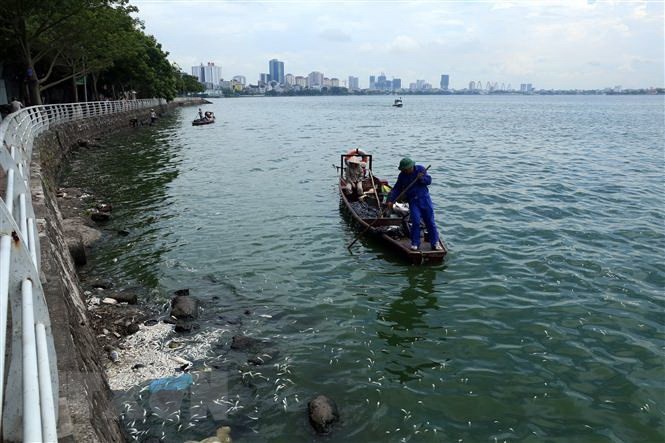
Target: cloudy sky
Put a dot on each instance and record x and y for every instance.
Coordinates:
(551, 43)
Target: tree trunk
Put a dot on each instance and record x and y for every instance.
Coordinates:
(76, 90)
(95, 92)
(34, 92)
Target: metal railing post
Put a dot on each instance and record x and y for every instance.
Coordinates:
(32, 370)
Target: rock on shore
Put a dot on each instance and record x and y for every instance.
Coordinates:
(184, 307)
(322, 413)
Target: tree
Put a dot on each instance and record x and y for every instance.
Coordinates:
(38, 28)
(187, 83)
(61, 40)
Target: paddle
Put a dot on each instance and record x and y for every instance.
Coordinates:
(382, 212)
(376, 195)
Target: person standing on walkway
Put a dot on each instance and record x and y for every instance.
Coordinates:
(420, 203)
(16, 104)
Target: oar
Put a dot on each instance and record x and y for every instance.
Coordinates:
(382, 212)
(371, 177)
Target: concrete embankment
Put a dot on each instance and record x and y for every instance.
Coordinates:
(86, 411)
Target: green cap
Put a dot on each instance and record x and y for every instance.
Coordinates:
(406, 163)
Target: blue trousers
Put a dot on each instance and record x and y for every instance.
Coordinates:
(426, 213)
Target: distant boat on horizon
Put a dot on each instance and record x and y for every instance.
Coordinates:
(398, 103)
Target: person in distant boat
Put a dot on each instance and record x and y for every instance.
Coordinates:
(200, 114)
(420, 203)
(208, 115)
(354, 175)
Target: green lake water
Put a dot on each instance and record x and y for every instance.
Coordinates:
(545, 322)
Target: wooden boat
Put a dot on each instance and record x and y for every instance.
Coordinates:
(392, 230)
(208, 119)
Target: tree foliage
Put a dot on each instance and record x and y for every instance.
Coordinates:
(56, 42)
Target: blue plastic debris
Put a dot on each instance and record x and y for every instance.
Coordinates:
(178, 383)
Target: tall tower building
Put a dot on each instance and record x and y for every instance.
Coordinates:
(445, 81)
(381, 82)
(209, 75)
(276, 69)
(372, 82)
(315, 79)
(353, 83)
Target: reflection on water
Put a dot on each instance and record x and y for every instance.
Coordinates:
(544, 324)
(405, 320)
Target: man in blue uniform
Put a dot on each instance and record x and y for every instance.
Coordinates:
(420, 203)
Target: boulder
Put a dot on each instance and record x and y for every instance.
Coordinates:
(224, 434)
(184, 326)
(76, 249)
(100, 217)
(243, 343)
(76, 226)
(322, 414)
(184, 307)
(101, 283)
(125, 296)
(104, 207)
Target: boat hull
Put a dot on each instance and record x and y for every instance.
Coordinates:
(201, 122)
(398, 243)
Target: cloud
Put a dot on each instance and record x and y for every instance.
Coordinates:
(499, 40)
(402, 44)
(503, 5)
(335, 35)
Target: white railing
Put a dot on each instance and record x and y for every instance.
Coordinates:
(29, 390)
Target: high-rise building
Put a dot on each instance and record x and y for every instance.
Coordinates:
(381, 82)
(289, 79)
(315, 79)
(397, 84)
(526, 87)
(353, 83)
(209, 75)
(276, 69)
(372, 82)
(445, 81)
(240, 79)
(264, 78)
(334, 82)
(301, 81)
(420, 84)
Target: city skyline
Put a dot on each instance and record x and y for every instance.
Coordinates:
(576, 44)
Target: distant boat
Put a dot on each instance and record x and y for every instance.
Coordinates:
(206, 120)
(398, 103)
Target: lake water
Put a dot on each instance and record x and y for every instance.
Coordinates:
(545, 322)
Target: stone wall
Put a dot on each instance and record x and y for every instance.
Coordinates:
(86, 410)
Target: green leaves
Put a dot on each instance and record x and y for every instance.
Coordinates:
(61, 39)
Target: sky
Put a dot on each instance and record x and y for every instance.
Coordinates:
(553, 44)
